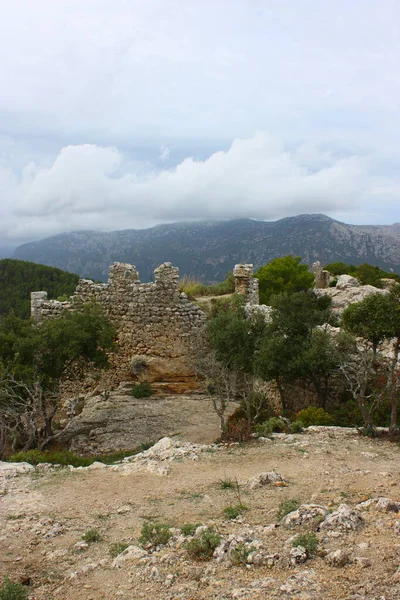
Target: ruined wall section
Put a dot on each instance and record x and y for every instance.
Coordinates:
(153, 320)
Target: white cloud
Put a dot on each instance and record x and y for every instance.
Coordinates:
(164, 152)
(87, 187)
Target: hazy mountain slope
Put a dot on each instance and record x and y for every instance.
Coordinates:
(209, 249)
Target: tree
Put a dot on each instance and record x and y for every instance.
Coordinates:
(377, 320)
(36, 360)
(293, 348)
(234, 338)
(285, 274)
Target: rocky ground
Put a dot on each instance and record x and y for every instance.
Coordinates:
(347, 488)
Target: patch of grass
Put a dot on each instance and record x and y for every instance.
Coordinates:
(117, 548)
(190, 528)
(231, 512)
(226, 484)
(154, 534)
(194, 288)
(12, 591)
(308, 540)
(240, 553)
(286, 507)
(202, 548)
(64, 457)
(344, 495)
(142, 390)
(92, 536)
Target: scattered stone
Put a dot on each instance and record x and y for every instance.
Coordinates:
(344, 518)
(338, 558)
(362, 561)
(265, 479)
(387, 505)
(14, 469)
(131, 555)
(304, 514)
(298, 555)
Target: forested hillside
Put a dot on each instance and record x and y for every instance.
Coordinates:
(18, 278)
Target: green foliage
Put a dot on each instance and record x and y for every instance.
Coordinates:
(285, 274)
(34, 361)
(142, 390)
(272, 425)
(154, 534)
(286, 507)
(314, 416)
(226, 484)
(19, 278)
(231, 512)
(308, 540)
(92, 536)
(240, 553)
(202, 547)
(367, 274)
(65, 457)
(296, 427)
(117, 548)
(12, 591)
(189, 529)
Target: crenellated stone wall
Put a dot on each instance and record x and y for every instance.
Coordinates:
(154, 321)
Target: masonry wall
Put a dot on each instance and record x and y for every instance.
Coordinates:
(153, 320)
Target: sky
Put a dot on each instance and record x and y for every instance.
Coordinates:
(130, 113)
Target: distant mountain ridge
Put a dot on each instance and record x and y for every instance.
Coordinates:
(209, 249)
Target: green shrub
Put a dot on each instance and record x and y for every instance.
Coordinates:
(154, 534)
(142, 390)
(308, 540)
(314, 416)
(189, 528)
(12, 591)
(92, 536)
(117, 548)
(240, 553)
(61, 457)
(202, 548)
(286, 507)
(273, 425)
(296, 427)
(234, 511)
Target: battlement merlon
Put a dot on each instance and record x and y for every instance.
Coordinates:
(245, 283)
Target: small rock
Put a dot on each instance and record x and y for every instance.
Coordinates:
(298, 555)
(362, 561)
(265, 479)
(387, 505)
(344, 518)
(131, 555)
(338, 558)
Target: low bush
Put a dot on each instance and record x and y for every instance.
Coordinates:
(273, 425)
(189, 528)
(12, 591)
(202, 548)
(231, 512)
(116, 549)
(142, 390)
(154, 534)
(296, 427)
(308, 540)
(314, 416)
(240, 553)
(92, 536)
(194, 288)
(286, 507)
(226, 484)
(64, 457)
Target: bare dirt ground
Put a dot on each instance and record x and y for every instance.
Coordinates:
(44, 515)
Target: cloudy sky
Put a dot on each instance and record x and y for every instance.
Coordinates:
(127, 113)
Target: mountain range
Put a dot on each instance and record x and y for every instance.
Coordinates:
(209, 249)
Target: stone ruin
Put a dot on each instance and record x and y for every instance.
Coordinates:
(155, 322)
(322, 277)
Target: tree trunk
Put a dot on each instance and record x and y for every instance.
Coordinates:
(393, 388)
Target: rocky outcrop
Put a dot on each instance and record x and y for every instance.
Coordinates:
(348, 291)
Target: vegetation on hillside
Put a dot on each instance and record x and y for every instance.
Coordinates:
(18, 278)
(366, 274)
(34, 361)
(285, 274)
